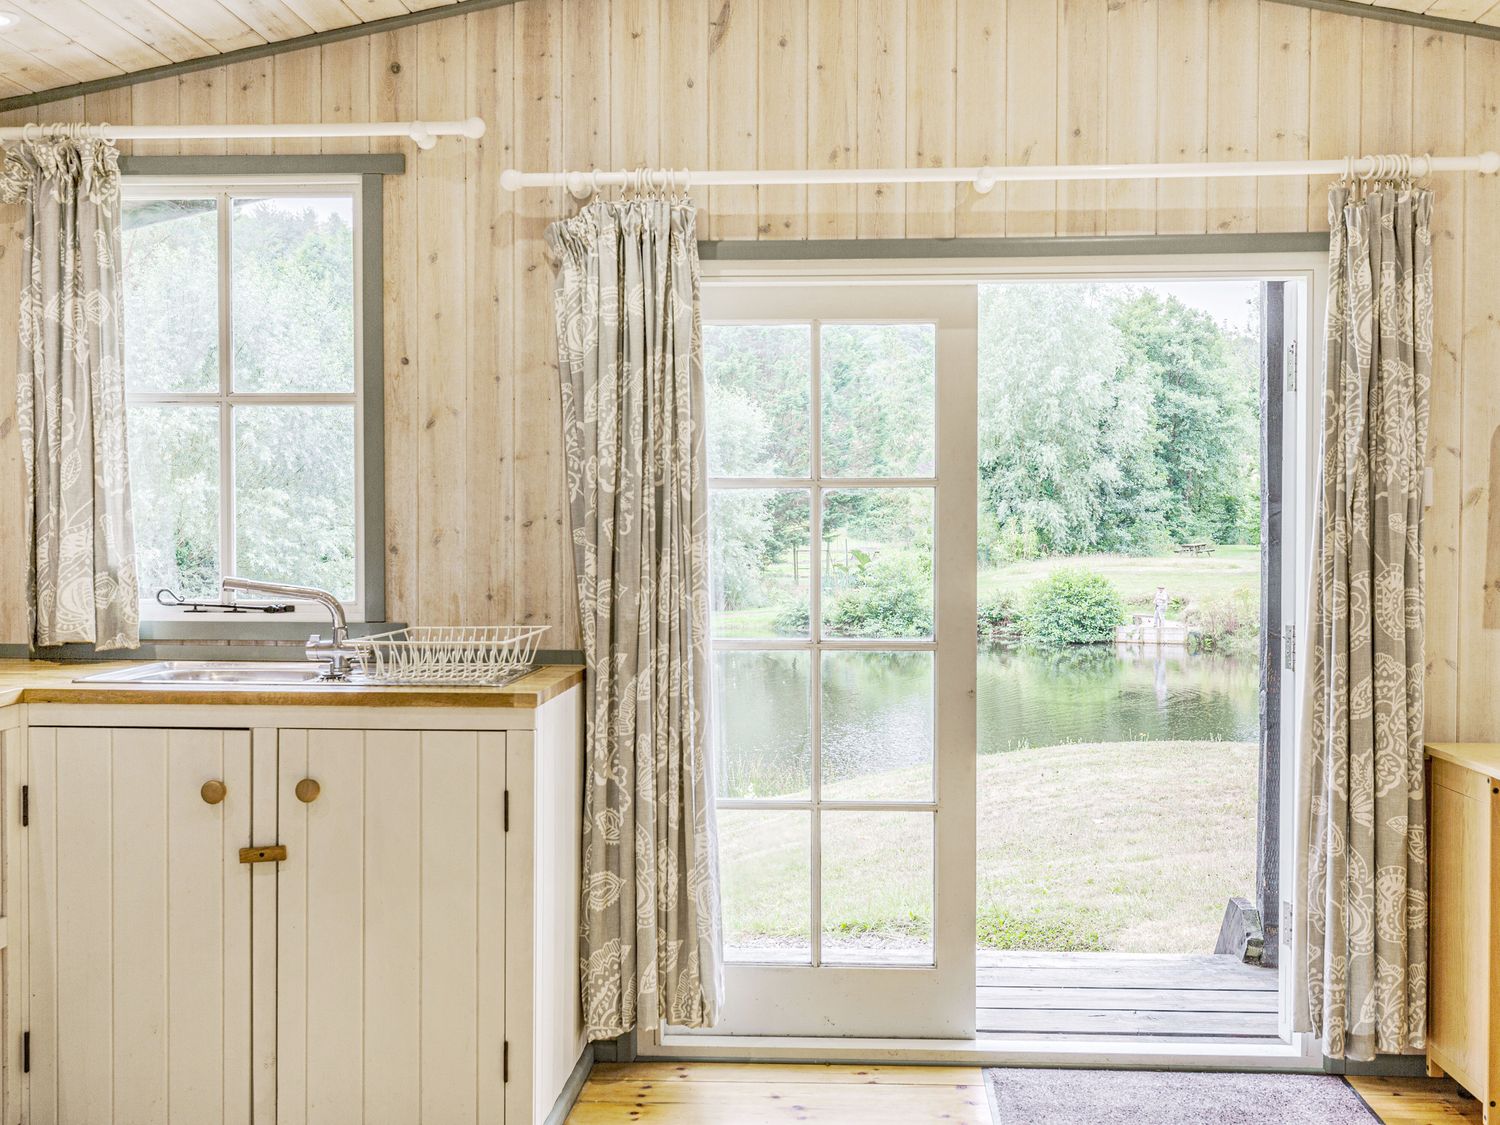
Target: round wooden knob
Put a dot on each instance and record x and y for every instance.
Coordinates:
(213, 791)
(308, 790)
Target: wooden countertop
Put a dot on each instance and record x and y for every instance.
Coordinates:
(37, 681)
(1481, 757)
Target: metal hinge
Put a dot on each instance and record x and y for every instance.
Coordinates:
(1289, 647)
(25, 1052)
(1291, 366)
(507, 810)
(505, 1062)
(25, 805)
(1286, 923)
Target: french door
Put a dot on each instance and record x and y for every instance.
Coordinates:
(842, 447)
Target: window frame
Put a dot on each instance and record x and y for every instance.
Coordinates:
(346, 177)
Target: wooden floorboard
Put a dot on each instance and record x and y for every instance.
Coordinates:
(771, 1093)
(1417, 1101)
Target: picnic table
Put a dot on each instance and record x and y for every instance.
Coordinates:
(1194, 548)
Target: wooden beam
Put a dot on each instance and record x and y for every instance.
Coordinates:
(257, 51)
(1396, 15)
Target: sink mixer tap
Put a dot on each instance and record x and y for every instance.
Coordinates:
(335, 652)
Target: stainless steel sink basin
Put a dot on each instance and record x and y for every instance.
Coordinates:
(213, 672)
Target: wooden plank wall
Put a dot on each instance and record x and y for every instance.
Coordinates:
(475, 501)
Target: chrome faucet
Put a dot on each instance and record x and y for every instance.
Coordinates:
(335, 652)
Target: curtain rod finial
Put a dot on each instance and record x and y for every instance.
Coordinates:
(1489, 162)
(474, 127)
(510, 179)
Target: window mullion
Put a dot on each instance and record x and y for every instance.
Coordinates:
(815, 626)
(227, 562)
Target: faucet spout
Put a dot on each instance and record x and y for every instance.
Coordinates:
(335, 652)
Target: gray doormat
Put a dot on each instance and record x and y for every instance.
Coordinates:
(1160, 1097)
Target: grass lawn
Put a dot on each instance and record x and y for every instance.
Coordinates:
(1133, 847)
(1136, 577)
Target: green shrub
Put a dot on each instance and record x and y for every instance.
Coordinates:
(889, 596)
(1072, 607)
(1221, 624)
(999, 616)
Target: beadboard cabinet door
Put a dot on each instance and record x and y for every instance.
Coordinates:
(138, 926)
(390, 954)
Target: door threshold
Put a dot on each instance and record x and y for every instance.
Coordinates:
(1301, 1053)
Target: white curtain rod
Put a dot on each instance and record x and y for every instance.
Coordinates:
(983, 180)
(424, 133)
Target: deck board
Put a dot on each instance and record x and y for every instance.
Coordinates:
(1124, 996)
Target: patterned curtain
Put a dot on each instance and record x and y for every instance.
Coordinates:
(631, 359)
(71, 392)
(1365, 814)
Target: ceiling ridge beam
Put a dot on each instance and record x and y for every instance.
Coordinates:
(1396, 15)
(247, 54)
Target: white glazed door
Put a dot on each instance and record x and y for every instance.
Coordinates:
(824, 820)
(138, 926)
(390, 927)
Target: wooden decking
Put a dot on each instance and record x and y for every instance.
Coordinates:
(1124, 997)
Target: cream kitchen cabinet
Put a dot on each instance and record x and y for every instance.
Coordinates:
(363, 917)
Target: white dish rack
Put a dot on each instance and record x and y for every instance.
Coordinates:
(455, 655)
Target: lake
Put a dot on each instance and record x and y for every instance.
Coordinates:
(876, 711)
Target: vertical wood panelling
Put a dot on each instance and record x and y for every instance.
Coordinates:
(1478, 647)
(1333, 125)
(931, 65)
(443, 325)
(490, 266)
(1438, 86)
(475, 493)
(782, 127)
(393, 97)
(832, 95)
(880, 125)
(536, 417)
(1031, 33)
(1181, 114)
(1130, 113)
(980, 108)
(1082, 92)
(1233, 45)
(1284, 109)
(733, 92)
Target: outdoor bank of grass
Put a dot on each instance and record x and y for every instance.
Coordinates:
(1130, 846)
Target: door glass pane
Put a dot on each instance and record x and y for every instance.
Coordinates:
(877, 726)
(294, 495)
(169, 260)
(877, 887)
(174, 492)
(759, 390)
(878, 402)
(766, 876)
(877, 562)
(762, 726)
(759, 564)
(292, 271)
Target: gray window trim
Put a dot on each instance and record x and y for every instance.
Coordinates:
(1104, 245)
(254, 629)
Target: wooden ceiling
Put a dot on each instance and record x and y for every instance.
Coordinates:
(56, 44)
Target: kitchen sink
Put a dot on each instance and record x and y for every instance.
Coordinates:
(213, 672)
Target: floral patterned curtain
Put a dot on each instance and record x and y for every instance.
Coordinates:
(631, 360)
(71, 391)
(1365, 814)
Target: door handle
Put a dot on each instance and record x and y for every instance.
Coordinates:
(269, 853)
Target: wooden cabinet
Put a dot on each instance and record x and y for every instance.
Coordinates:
(138, 926)
(411, 959)
(1463, 1028)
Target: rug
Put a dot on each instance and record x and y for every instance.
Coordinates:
(1159, 1097)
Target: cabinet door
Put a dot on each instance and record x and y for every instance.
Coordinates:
(390, 928)
(138, 926)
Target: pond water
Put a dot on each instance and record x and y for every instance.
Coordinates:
(876, 711)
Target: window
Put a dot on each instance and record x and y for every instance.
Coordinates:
(243, 384)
